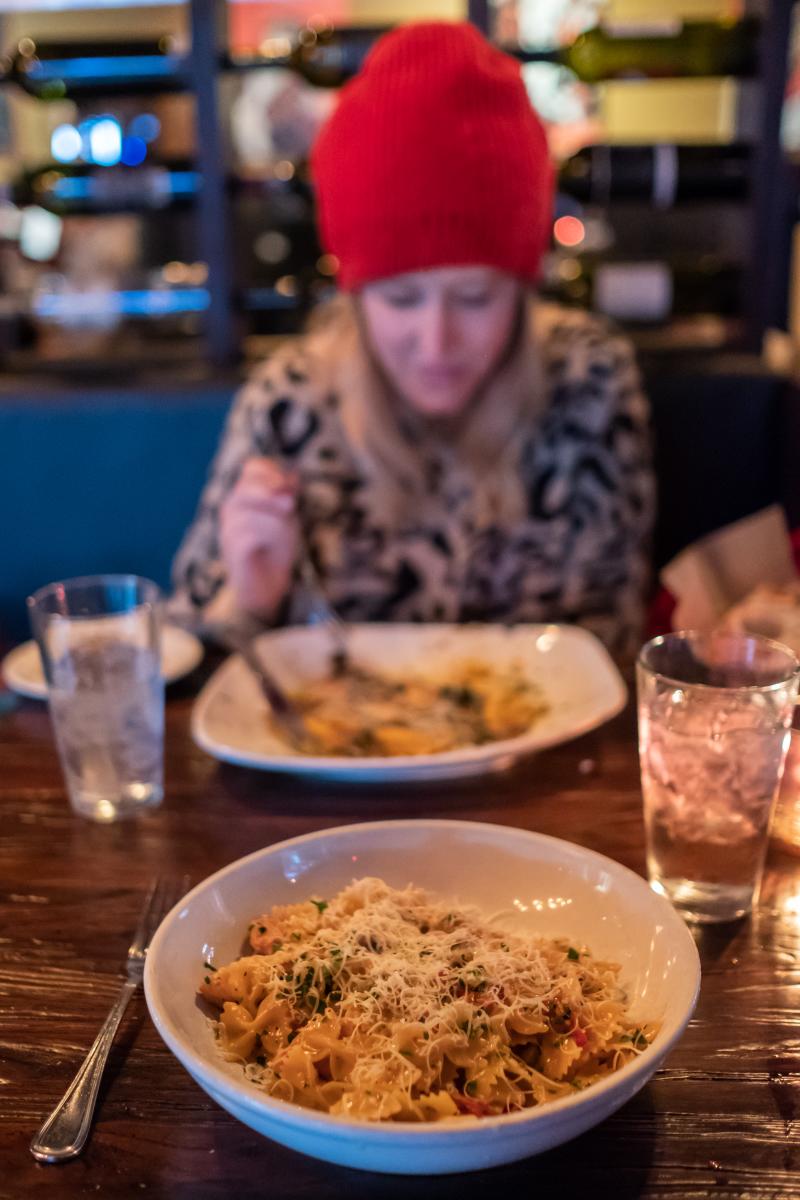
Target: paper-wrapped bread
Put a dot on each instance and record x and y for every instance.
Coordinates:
(771, 610)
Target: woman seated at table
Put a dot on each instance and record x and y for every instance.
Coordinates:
(445, 447)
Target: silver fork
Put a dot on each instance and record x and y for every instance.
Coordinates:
(322, 611)
(325, 614)
(231, 638)
(65, 1131)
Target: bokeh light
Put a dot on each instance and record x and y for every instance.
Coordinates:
(272, 246)
(145, 126)
(105, 142)
(134, 151)
(327, 264)
(569, 231)
(65, 143)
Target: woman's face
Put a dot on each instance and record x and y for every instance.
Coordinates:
(438, 334)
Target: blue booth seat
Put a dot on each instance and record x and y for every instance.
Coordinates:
(98, 481)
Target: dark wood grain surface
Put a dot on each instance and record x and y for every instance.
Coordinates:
(719, 1120)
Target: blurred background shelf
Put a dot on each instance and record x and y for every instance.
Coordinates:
(154, 170)
(157, 238)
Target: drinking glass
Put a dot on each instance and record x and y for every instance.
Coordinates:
(715, 711)
(99, 639)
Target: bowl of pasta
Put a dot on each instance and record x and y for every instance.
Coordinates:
(422, 996)
(417, 702)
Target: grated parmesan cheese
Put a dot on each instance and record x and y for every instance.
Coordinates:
(392, 1004)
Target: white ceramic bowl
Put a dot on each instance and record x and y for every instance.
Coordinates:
(552, 887)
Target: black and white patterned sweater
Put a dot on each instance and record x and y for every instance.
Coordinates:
(579, 554)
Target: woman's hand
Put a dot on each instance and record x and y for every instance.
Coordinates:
(259, 536)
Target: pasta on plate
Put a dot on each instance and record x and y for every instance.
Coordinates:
(393, 1005)
(362, 713)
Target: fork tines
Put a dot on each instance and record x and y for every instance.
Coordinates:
(162, 895)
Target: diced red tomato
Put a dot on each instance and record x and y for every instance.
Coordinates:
(476, 1108)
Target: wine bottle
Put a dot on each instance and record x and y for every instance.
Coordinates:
(325, 57)
(647, 291)
(82, 188)
(55, 70)
(663, 175)
(329, 57)
(696, 48)
(696, 112)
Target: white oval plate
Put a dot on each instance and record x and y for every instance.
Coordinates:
(580, 682)
(22, 667)
(552, 888)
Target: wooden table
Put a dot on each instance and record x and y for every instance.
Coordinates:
(718, 1121)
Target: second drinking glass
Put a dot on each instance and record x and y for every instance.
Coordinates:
(715, 712)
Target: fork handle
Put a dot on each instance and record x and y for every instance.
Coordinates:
(65, 1131)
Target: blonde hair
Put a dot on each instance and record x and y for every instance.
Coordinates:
(390, 441)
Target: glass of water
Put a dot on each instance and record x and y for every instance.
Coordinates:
(99, 639)
(715, 715)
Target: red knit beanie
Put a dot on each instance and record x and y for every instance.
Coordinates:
(433, 157)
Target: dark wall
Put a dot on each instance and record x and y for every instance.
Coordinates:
(727, 441)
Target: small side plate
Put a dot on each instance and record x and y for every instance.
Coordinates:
(22, 667)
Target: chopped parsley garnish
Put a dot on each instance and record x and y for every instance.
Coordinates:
(306, 981)
(475, 979)
(637, 1039)
(321, 905)
(573, 954)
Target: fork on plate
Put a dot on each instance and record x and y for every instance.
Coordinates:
(323, 613)
(230, 637)
(64, 1133)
